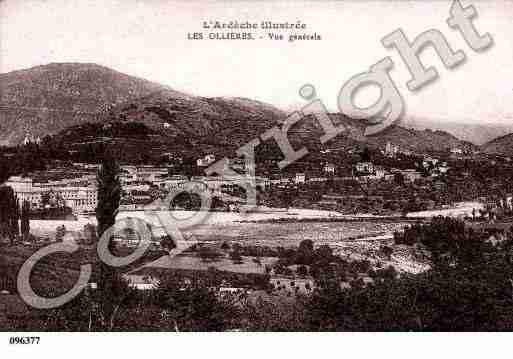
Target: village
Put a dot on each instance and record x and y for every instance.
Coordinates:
(380, 191)
(393, 181)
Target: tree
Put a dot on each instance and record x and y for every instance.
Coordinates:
(59, 233)
(109, 194)
(235, 256)
(305, 252)
(194, 307)
(387, 251)
(286, 196)
(5, 169)
(45, 199)
(167, 243)
(324, 254)
(302, 271)
(9, 214)
(267, 268)
(208, 253)
(306, 245)
(90, 234)
(399, 178)
(365, 155)
(25, 220)
(15, 228)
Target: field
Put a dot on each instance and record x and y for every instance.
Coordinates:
(351, 239)
(58, 272)
(191, 262)
(291, 234)
(459, 210)
(155, 218)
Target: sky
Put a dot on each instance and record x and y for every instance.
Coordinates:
(148, 39)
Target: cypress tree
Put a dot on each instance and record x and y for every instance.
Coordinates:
(9, 214)
(25, 220)
(15, 226)
(109, 196)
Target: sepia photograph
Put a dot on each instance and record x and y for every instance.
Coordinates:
(257, 166)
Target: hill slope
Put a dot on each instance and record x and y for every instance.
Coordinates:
(46, 99)
(501, 145)
(477, 133)
(212, 122)
(420, 140)
(417, 141)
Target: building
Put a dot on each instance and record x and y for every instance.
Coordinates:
(172, 182)
(141, 282)
(439, 185)
(441, 169)
(237, 164)
(329, 168)
(299, 178)
(80, 198)
(364, 168)
(30, 139)
(389, 177)
(391, 150)
(23, 189)
(410, 175)
(206, 161)
(218, 184)
(317, 179)
(279, 181)
(429, 162)
(379, 172)
(142, 174)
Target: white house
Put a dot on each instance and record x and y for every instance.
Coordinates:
(142, 282)
(329, 168)
(300, 178)
(391, 150)
(206, 161)
(364, 167)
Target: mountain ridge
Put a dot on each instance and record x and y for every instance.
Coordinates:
(45, 99)
(502, 145)
(49, 98)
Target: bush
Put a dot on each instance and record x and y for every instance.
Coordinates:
(167, 243)
(59, 233)
(302, 271)
(387, 251)
(207, 253)
(236, 257)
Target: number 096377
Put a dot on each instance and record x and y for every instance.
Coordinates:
(24, 340)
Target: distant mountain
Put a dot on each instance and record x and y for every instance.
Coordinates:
(49, 99)
(46, 99)
(477, 133)
(421, 140)
(501, 145)
(218, 125)
(406, 138)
